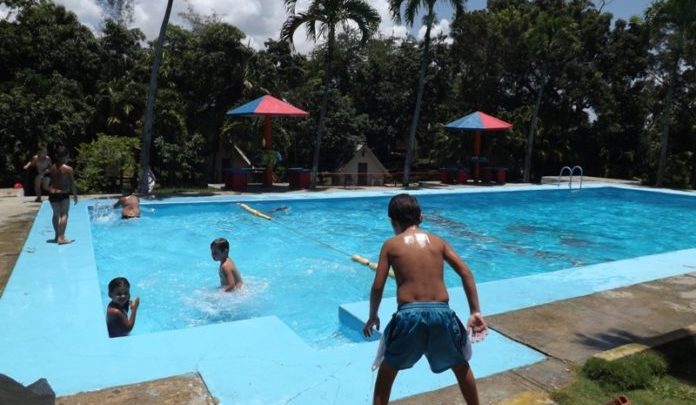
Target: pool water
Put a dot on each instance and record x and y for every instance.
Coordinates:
(298, 268)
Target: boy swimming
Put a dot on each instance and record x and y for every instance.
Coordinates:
(423, 323)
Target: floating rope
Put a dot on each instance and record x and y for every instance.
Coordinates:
(255, 212)
(356, 258)
(366, 262)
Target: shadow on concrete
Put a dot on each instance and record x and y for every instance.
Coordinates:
(608, 340)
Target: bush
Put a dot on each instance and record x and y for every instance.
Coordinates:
(631, 372)
(103, 163)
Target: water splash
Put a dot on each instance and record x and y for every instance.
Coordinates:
(102, 212)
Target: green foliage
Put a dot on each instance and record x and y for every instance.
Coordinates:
(636, 371)
(644, 373)
(107, 164)
(604, 104)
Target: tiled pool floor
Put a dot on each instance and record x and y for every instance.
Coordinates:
(53, 327)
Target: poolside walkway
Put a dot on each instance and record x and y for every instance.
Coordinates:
(567, 331)
(571, 331)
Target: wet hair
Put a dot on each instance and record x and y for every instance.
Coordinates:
(404, 209)
(220, 244)
(118, 282)
(62, 153)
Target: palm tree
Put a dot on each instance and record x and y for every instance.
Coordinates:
(320, 20)
(410, 12)
(675, 21)
(150, 106)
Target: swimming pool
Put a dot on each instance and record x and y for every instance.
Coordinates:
(52, 312)
(297, 266)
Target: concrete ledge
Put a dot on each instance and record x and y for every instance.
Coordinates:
(635, 348)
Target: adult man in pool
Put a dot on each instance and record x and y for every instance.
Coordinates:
(131, 205)
(423, 323)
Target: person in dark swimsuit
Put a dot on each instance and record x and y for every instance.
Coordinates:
(61, 186)
(118, 322)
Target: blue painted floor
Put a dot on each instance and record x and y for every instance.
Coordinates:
(53, 326)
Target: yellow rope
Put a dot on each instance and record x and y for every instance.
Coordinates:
(356, 258)
(368, 263)
(255, 212)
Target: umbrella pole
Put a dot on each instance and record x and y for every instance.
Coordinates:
(268, 174)
(477, 152)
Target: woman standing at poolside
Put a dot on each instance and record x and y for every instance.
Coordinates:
(62, 184)
(42, 162)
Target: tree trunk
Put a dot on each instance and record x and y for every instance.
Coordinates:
(532, 125)
(664, 135)
(150, 107)
(419, 99)
(693, 172)
(322, 108)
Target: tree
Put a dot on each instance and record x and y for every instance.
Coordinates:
(675, 24)
(411, 9)
(150, 106)
(49, 64)
(120, 11)
(552, 41)
(327, 16)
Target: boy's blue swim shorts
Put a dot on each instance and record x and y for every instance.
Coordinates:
(429, 328)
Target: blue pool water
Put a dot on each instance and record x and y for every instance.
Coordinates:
(297, 266)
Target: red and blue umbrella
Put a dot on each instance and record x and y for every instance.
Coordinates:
(267, 106)
(478, 122)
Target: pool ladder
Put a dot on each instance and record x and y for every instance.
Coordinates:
(570, 178)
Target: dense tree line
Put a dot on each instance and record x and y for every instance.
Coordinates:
(617, 97)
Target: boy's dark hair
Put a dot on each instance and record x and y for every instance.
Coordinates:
(62, 153)
(404, 209)
(220, 244)
(118, 282)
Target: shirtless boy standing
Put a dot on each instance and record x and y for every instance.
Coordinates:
(423, 323)
(230, 279)
(59, 191)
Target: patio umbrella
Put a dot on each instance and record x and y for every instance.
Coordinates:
(267, 106)
(478, 122)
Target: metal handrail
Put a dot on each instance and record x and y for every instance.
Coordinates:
(570, 176)
(570, 171)
(573, 171)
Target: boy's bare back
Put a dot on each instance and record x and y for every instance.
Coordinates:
(417, 258)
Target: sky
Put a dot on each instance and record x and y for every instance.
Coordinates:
(262, 19)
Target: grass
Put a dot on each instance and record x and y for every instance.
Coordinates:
(665, 375)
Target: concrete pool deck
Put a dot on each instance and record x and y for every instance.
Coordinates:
(557, 361)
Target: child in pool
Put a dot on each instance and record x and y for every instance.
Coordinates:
(424, 322)
(117, 320)
(230, 278)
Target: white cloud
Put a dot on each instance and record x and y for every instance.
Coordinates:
(258, 19)
(6, 13)
(440, 27)
(87, 11)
